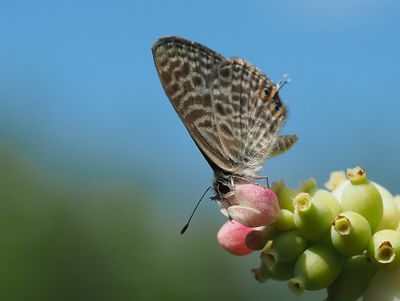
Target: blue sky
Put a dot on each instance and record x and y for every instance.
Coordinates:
(79, 91)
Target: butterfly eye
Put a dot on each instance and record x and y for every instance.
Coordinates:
(278, 106)
(267, 91)
(223, 189)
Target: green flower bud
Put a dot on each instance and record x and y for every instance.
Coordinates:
(271, 231)
(278, 270)
(335, 180)
(281, 271)
(384, 249)
(315, 269)
(391, 211)
(353, 279)
(309, 186)
(329, 200)
(312, 219)
(361, 196)
(350, 233)
(261, 273)
(397, 202)
(286, 220)
(357, 175)
(384, 286)
(338, 192)
(287, 246)
(285, 195)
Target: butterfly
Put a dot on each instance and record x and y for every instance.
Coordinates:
(231, 110)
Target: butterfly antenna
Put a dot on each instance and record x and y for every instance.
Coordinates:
(194, 210)
(285, 79)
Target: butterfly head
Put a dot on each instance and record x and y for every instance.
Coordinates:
(269, 94)
(223, 188)
(224, 185)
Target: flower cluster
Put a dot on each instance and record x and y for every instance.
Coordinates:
(345, 240)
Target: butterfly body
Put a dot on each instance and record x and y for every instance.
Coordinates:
(231, 110)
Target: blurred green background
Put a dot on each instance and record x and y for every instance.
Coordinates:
(98, 175)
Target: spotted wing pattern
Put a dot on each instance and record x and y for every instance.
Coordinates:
(248, 114)
(231, 110)
(283, 143)
(187, 71)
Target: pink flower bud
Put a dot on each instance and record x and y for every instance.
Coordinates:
(251, 205)
(232, 237)
(257, 238)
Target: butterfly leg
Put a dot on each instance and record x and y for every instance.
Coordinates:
(227, 211)
(222, 199)
(264, 178)
(246, 180)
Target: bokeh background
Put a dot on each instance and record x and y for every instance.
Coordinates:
(97, 173)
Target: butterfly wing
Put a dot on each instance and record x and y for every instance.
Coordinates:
(187, 71)
(283, 144)
(222, 104)
(247, 119)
